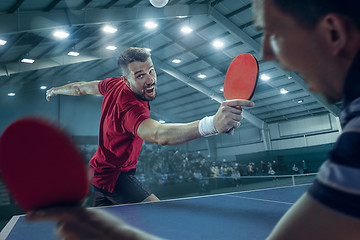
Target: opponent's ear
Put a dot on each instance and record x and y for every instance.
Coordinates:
(335, 30)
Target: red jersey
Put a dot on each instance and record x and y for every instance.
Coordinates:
(119, 145)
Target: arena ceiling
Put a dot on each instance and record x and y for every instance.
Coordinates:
(28, 28)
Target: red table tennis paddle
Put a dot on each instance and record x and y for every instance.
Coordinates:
(241, 78)
(40, 165)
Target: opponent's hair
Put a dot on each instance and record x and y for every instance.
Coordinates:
(309, 12)
(129, 55)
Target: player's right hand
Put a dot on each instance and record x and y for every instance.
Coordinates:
(229, 114)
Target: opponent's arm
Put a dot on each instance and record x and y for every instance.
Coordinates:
(82, 224)
(309, 219)
(227, 117)
(74, 89)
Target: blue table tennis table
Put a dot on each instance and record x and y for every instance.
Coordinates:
(241, 215)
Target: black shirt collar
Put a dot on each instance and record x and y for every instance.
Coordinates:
(352, 83)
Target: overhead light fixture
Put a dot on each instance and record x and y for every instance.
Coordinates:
(176, 60)
(159, 3)
(150, 25)
(11, 94)
(60, 34)
(283, 91)
(2, 42)
(218, 44)
(109, 29)
(27, 60)
(289, 77)
(73, 53)
(300, 101)
(111, 48)
(264, 77)
(181, 16)
(43, 87)
(201, 75)
(186, 29)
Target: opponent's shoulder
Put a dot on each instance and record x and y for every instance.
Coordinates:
(351, 112)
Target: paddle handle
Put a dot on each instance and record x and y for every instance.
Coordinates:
(231, 131)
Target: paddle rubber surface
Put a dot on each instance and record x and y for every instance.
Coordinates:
(241, 77)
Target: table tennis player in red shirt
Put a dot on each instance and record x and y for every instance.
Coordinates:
(125, 123)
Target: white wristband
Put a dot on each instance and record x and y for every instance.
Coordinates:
(207, 127)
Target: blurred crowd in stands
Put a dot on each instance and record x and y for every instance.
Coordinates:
(157, 165)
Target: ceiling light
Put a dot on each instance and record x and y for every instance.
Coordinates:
(218, 44)
(289, 77)
(148, 49)
(264, 77)
(176, 61)
(181, 16)
(73, 53)
(186, 29)
(150, 25)
(300, 101)
(11, 94)
(109, 29)
(27, 60)
(283, 91)
(161, 121)
(201, 75)
(2, 42)
(159, 3)
(61, 34)
(111, 48)
(43, 87)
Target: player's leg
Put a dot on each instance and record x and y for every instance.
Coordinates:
(129, 189)
(151, 198)
(99, 198)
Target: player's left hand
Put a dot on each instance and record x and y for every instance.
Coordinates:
(50, 93)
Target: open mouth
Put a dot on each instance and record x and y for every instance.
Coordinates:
(150, 90)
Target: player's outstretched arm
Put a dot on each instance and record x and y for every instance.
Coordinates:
(227, 117)
(83, 224)
(74, 89)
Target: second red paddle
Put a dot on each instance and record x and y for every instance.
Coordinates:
(40, 165)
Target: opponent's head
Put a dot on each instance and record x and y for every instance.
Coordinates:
(309, 12)
(316, 38)
(138, 72)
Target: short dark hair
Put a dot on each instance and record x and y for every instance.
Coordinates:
(309, 12)
(129, 55)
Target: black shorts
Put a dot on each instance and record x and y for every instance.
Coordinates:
(127, 190)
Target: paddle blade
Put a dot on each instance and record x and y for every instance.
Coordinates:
(241, 77)
(40, 165)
